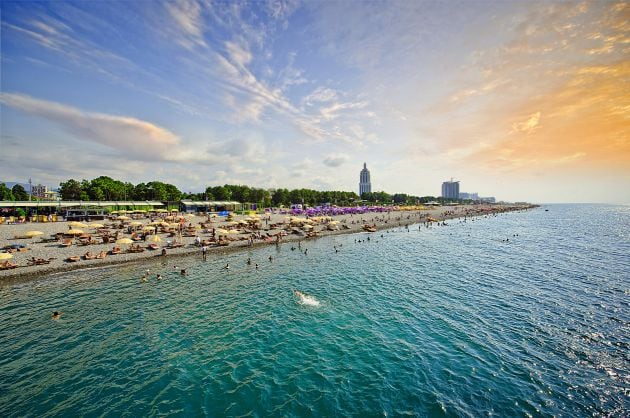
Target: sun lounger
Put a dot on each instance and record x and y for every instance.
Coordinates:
(7, 265)
(66, 242)
(39, 261)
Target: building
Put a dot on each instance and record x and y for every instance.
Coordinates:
(450, 189)
(468, 196)
(39, 191)
(365, 186)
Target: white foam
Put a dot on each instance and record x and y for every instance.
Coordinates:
(307, 300)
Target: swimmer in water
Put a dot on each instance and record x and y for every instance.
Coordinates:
(159, 277)
(306, 299)
(182, 272)
(227, 266)
(249, 261)
(56, 315)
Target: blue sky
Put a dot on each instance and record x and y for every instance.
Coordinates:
(514, 99)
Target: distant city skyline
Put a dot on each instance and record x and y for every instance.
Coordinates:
(526, 101)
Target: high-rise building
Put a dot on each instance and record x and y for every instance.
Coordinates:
(450, 189)
(364, 181)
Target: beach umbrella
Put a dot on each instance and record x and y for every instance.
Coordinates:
(123, 218)
(124, 241)
(221, 231)
(95, 225)
(234, 232)
(135, 223)
(155, 238)
(149, 228)
(74, 232)
(75, 224)
(114, 212)
(160, 210)
(5, 256)
(31, 234)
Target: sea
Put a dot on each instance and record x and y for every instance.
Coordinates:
(519, 314)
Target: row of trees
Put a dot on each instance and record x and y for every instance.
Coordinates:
(274, 197)
(105, 188)
(17, 192)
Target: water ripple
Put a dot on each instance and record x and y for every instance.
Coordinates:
(437, 321)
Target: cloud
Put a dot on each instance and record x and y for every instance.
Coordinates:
(528, 125)
(126, 135)
(187, 14)
(586, 125)
(320, 95)
(335, 160)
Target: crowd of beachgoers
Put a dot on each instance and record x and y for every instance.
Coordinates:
(31, 249)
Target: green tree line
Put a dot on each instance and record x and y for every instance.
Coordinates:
(104, 188)
(17, 192)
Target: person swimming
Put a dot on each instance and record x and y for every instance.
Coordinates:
(306, 299)
(227, 266)
(182, 272)
(56, 315)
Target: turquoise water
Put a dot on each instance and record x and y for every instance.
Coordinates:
(446, 321)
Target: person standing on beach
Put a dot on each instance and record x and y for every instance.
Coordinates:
(204, 252)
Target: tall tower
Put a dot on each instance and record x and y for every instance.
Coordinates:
(450, 189)
(364, 181)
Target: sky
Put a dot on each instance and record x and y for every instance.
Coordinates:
(524, 101)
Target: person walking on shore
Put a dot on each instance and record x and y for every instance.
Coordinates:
(204, 252)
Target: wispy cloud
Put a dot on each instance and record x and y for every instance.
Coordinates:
(189, 19)
(529, 125)
(126, 135)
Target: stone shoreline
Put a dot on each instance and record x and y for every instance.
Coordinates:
(352, 223)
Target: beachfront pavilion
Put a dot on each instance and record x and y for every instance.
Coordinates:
(210, 206)
(38, 210)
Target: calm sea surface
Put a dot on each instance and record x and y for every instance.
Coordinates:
(445, 321)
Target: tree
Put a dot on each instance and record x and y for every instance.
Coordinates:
(5, 192)
(70, 190)
(19, 193)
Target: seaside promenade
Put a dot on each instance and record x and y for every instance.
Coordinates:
(37, 249)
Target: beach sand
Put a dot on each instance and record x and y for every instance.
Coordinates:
(36, 247)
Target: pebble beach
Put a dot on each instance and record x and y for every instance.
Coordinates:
(270, 229)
